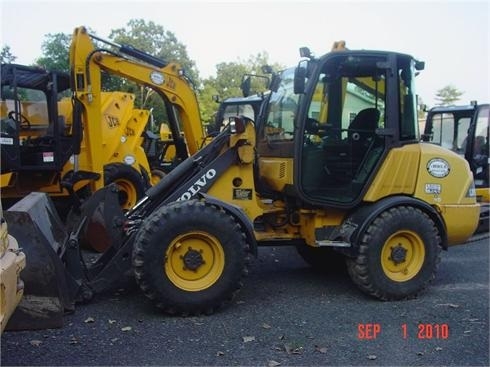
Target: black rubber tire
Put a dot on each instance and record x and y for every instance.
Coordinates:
(322, 259)
(156, 251)
(367, 269)
(127, 178)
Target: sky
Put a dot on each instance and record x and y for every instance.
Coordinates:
(452, 37)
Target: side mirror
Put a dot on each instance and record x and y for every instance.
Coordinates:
(305, 52)
(267, 69)
(299, 77)
(275, 82)
(237, 124)
(245, 86)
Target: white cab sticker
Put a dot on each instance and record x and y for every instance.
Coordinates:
(438, 167)
(157, 78)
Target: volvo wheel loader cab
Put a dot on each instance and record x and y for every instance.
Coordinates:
(332, 164)
(464, 130)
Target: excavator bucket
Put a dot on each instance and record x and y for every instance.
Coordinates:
(56, 275)
(49, 290)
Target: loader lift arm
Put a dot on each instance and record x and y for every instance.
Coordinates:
(214, 159)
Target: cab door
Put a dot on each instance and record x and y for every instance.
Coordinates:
(340, 147)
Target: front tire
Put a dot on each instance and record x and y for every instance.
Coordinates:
(399, 253)
(190, 258)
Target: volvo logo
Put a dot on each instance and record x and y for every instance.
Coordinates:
(198, 185)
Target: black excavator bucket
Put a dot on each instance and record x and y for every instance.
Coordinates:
(56, 275)
(49, 291)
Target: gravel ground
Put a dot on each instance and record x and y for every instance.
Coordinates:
(286, 314)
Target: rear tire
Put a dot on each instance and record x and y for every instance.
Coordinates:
(398, 256)
(190, 258)
(129, 181)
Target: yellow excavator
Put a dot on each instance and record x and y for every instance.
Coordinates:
(75, 146)
(69, 147)
(332, 165)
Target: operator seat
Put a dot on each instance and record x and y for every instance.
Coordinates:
(364, 124)
(361, 136)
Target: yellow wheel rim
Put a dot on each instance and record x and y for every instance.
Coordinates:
(128, 195)
(402, 256)
(155, 178)
(194, 261)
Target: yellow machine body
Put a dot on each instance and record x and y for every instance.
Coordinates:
(12, 262)
(121, 127)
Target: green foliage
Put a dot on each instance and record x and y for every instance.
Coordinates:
(448, 95)
(228, 80)
(159, 42)
(155, 40)
(207, 106)
(6, 56)
(55, 50)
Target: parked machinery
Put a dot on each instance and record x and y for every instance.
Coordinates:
(74, 146)
(464, 129)
(333, 165)
(40, 140)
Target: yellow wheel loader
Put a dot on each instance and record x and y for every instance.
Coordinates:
(465, 130)
(332, 165)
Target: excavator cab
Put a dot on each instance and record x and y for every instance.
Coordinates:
(35, 137)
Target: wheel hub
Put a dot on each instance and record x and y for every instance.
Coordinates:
(192, 259)
(398, 254)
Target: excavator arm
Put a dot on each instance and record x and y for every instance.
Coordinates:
(167, 79)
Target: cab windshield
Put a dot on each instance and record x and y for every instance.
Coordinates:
(282, 109)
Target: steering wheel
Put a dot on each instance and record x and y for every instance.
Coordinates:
(24, 123)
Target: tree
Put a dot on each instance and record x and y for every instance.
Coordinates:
(447, 96)
(155, 40)
(6, 55)
(55, 49)
(228, 80)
